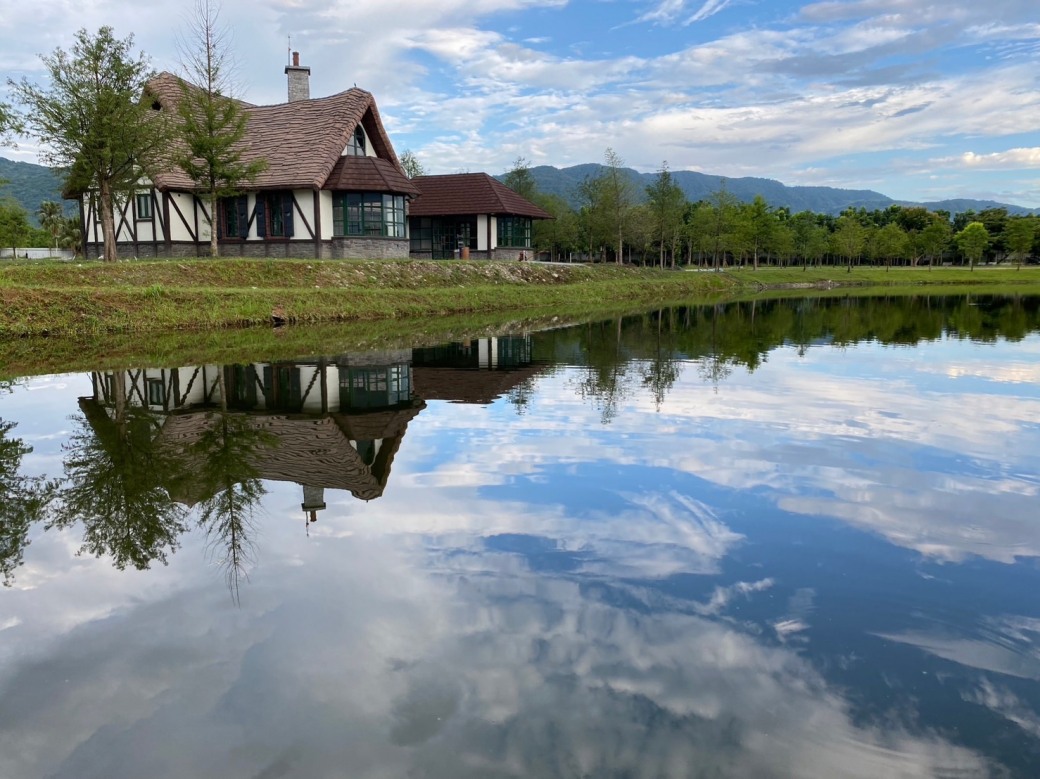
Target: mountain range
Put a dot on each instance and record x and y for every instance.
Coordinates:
(699, 186)
(31, 184)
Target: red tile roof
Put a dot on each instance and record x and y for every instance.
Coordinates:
(301, 141)
(461, 194)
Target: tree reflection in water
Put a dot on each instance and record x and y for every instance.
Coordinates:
(24, 501)
(116, 473)
(225, 455)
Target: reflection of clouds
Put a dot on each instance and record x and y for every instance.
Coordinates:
(363, 658)
(1006, 704)
(1008, 645)
(869, 435)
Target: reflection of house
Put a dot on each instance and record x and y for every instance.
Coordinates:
(332, 188)
(333, 422)
(470, 211)
(475, 371)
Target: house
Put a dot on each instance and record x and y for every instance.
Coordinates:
(470, 214)
(333, 186)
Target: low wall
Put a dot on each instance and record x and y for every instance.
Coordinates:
(334, 249)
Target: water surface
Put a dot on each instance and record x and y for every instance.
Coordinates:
(793, 538)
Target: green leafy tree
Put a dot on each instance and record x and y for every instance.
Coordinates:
(891, 243)
(619, 196)
(593, 224)
(413, 168)
(212, 123)
(14, 226)
(934, 239)
(92, 122)
(849, 238)
(1019, 235)
(723, 224)
(761, 227)
(520, 180)
(559, 235)
(667, 204)
(52, 219)
(972, 241)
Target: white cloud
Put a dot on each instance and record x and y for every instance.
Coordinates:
(1012, 158)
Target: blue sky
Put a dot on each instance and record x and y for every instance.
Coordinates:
(917, 99)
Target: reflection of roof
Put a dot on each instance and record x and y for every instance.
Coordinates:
(461, 194)
(469, 386)
(314, 451)
(301, 141)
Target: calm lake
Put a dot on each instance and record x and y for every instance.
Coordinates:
(777, 539)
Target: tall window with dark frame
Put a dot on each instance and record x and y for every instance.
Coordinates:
(274, 215)
(233, 217)
(368, 214)
(144, 205)
(514, 231)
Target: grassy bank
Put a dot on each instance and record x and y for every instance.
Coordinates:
(92, 299)
(98, 298)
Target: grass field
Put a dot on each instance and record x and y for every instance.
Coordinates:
(88, 300)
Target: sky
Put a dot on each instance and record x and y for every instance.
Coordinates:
(916, 99)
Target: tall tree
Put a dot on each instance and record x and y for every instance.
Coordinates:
(92, 122)
(520, 180)
(52, 218)
(934, 239)
(849, 238)
(559, 234)
(667, 205)
(213, 123)
(725, 210)
(972, 241)
(1019, 235)
(411, 164)
(619, 198)
(762, 224)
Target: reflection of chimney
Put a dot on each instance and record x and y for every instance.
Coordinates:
(299, 79)
(313, 501)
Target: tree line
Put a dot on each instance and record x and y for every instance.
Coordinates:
(614, 222)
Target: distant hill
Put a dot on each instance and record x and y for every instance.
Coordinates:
(698, 186)
(30, 185)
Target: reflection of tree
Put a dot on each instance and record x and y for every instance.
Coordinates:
(23, 501)
(723, 336)
(662, 369)
(604, 378)
(224, 454)
(116, 473)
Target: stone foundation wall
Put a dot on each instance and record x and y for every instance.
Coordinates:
(335, 249)
(365, 249)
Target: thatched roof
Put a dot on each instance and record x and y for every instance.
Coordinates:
(301, 142)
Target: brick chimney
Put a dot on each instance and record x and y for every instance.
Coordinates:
(299, 79)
